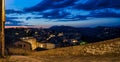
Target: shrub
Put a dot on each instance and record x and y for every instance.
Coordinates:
(83, 42)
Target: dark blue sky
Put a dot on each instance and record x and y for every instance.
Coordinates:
(77, 13)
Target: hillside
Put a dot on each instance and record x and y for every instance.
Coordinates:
(111, 47)
(104, 51)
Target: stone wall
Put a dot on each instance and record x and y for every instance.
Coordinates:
(34, 44)
(101, 48)
(32, 41)
(23, 45)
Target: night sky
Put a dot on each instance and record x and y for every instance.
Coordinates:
(77, 13)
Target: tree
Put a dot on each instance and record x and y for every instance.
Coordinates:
(2, 21)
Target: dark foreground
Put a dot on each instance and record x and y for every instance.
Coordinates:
(60, 59)
(81, 59)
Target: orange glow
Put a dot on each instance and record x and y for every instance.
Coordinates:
(3, 10)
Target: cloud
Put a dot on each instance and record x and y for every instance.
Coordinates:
(10, 22)
(50, 4)
(15, 17)
(55, 14)
(108, 12)
(56, 8)
(66, 10)
(12, 11)
(97, 4)
(75, 18)
(76, 4)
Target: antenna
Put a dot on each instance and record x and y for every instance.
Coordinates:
(2, 22)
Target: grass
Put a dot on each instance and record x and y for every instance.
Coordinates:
(65, 51)
(78, 50)
(68, 54)
(18, 51)
(6, 59)
(79, 59)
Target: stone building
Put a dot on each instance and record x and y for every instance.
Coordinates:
(31, 43)
(26, 43)
(23, 45)
(46, 45)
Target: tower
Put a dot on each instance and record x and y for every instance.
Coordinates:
(2, 21)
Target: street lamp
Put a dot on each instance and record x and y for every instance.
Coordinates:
(2, 22)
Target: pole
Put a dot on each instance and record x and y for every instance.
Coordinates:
(2, 21)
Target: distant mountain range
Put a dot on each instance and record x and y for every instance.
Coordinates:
(56, 27)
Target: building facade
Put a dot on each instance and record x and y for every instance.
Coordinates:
(30, 43)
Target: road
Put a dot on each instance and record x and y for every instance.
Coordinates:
(62, 59)
(16, 58)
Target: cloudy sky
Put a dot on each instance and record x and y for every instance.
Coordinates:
(77, 13)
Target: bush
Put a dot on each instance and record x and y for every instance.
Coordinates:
(83, 42)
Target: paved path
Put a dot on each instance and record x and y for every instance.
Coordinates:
(22, 59)
(16, 58)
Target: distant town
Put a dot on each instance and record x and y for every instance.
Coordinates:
(57, 36)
